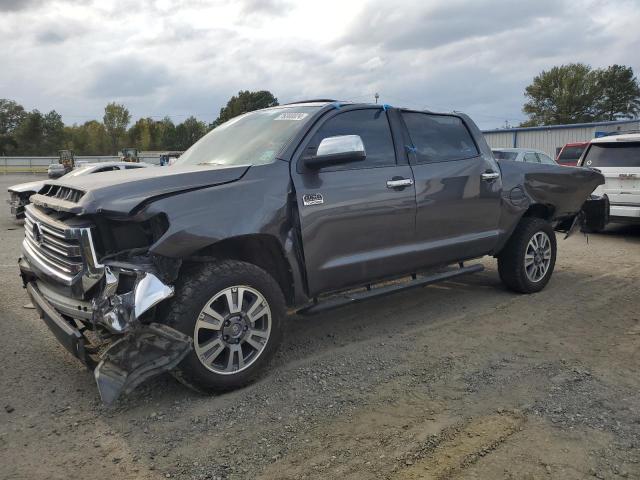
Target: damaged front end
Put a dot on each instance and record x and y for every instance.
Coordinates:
(102, 311)
(145, 349)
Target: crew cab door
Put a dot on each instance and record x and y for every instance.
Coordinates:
(457, 189)
(356, 226)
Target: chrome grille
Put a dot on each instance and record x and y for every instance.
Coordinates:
(52, 246)
(63, 193)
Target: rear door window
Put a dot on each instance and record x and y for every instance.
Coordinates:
(613, 155)
(439, 138)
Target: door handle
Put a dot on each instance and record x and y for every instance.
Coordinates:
(400, 182)
(489, 176)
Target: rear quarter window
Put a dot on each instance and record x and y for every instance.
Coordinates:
(613, 155)
(439, 138)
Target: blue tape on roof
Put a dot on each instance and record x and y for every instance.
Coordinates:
(385, 106)
(336, 105)
(411, 148)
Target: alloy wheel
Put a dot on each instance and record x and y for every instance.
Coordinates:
(537, 257)
(232, 330)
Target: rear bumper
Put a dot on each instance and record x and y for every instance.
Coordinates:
(67, 334)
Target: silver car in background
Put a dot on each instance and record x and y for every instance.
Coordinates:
(528, 155)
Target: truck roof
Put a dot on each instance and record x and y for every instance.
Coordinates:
(323, 102)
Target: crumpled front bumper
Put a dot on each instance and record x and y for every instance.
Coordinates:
(16, 206)
(140, 350)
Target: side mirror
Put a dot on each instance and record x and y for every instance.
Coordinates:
(336, 151)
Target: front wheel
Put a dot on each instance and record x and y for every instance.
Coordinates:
(527, 261)
(234, 312)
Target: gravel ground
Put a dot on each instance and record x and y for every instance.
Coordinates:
(457, 380)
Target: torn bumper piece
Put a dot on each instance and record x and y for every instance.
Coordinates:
(144, 351)
(66, 333)
(594, 215)
(120, 313)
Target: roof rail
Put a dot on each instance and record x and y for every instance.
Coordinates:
(621, 132)
(314, 100)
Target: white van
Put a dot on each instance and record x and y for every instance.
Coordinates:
(618, 158)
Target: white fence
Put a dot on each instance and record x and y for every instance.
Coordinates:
(40, 164)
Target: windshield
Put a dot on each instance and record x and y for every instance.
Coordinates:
(251, 139)
(613, 155)
(502, 155)
(570, 154)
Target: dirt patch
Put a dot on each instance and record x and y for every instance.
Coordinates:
(462, 379)
(460, 447)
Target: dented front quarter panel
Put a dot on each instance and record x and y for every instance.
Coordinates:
(259, 204)
(561, 191)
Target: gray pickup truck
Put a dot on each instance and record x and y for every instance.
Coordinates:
(302, 207)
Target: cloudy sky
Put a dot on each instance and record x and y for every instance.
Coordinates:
(187, 57)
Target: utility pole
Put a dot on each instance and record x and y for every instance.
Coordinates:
(376, 96)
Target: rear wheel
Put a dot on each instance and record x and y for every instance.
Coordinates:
(234, 312)
(527, 261)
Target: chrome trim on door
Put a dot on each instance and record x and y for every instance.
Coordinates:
(490, 176)
(404, 182)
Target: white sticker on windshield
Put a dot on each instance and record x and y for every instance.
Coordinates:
(295, 116)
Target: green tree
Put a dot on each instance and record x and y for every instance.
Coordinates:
(189, 132)
(619, 93)
(11, 115)
(98, 140)
(29, 135)
(244, 102)
(52, 133)
(116, 118)
(89, 138)
(564, 94)
(141, 134)
(40, 134)
(165, 135)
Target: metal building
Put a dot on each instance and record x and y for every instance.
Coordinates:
(552, 138)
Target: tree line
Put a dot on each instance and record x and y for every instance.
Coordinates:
(573, 93)
(577, 93)
(35, 133)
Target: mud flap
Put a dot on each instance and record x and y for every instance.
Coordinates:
(596, 213)
(142, 354)
(593, 216)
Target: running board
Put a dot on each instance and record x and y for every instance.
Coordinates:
(350, 298)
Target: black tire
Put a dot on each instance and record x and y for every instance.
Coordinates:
(511, 266)
(194, 288)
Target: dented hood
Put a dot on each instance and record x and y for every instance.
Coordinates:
(26, 187)
(120, 192)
